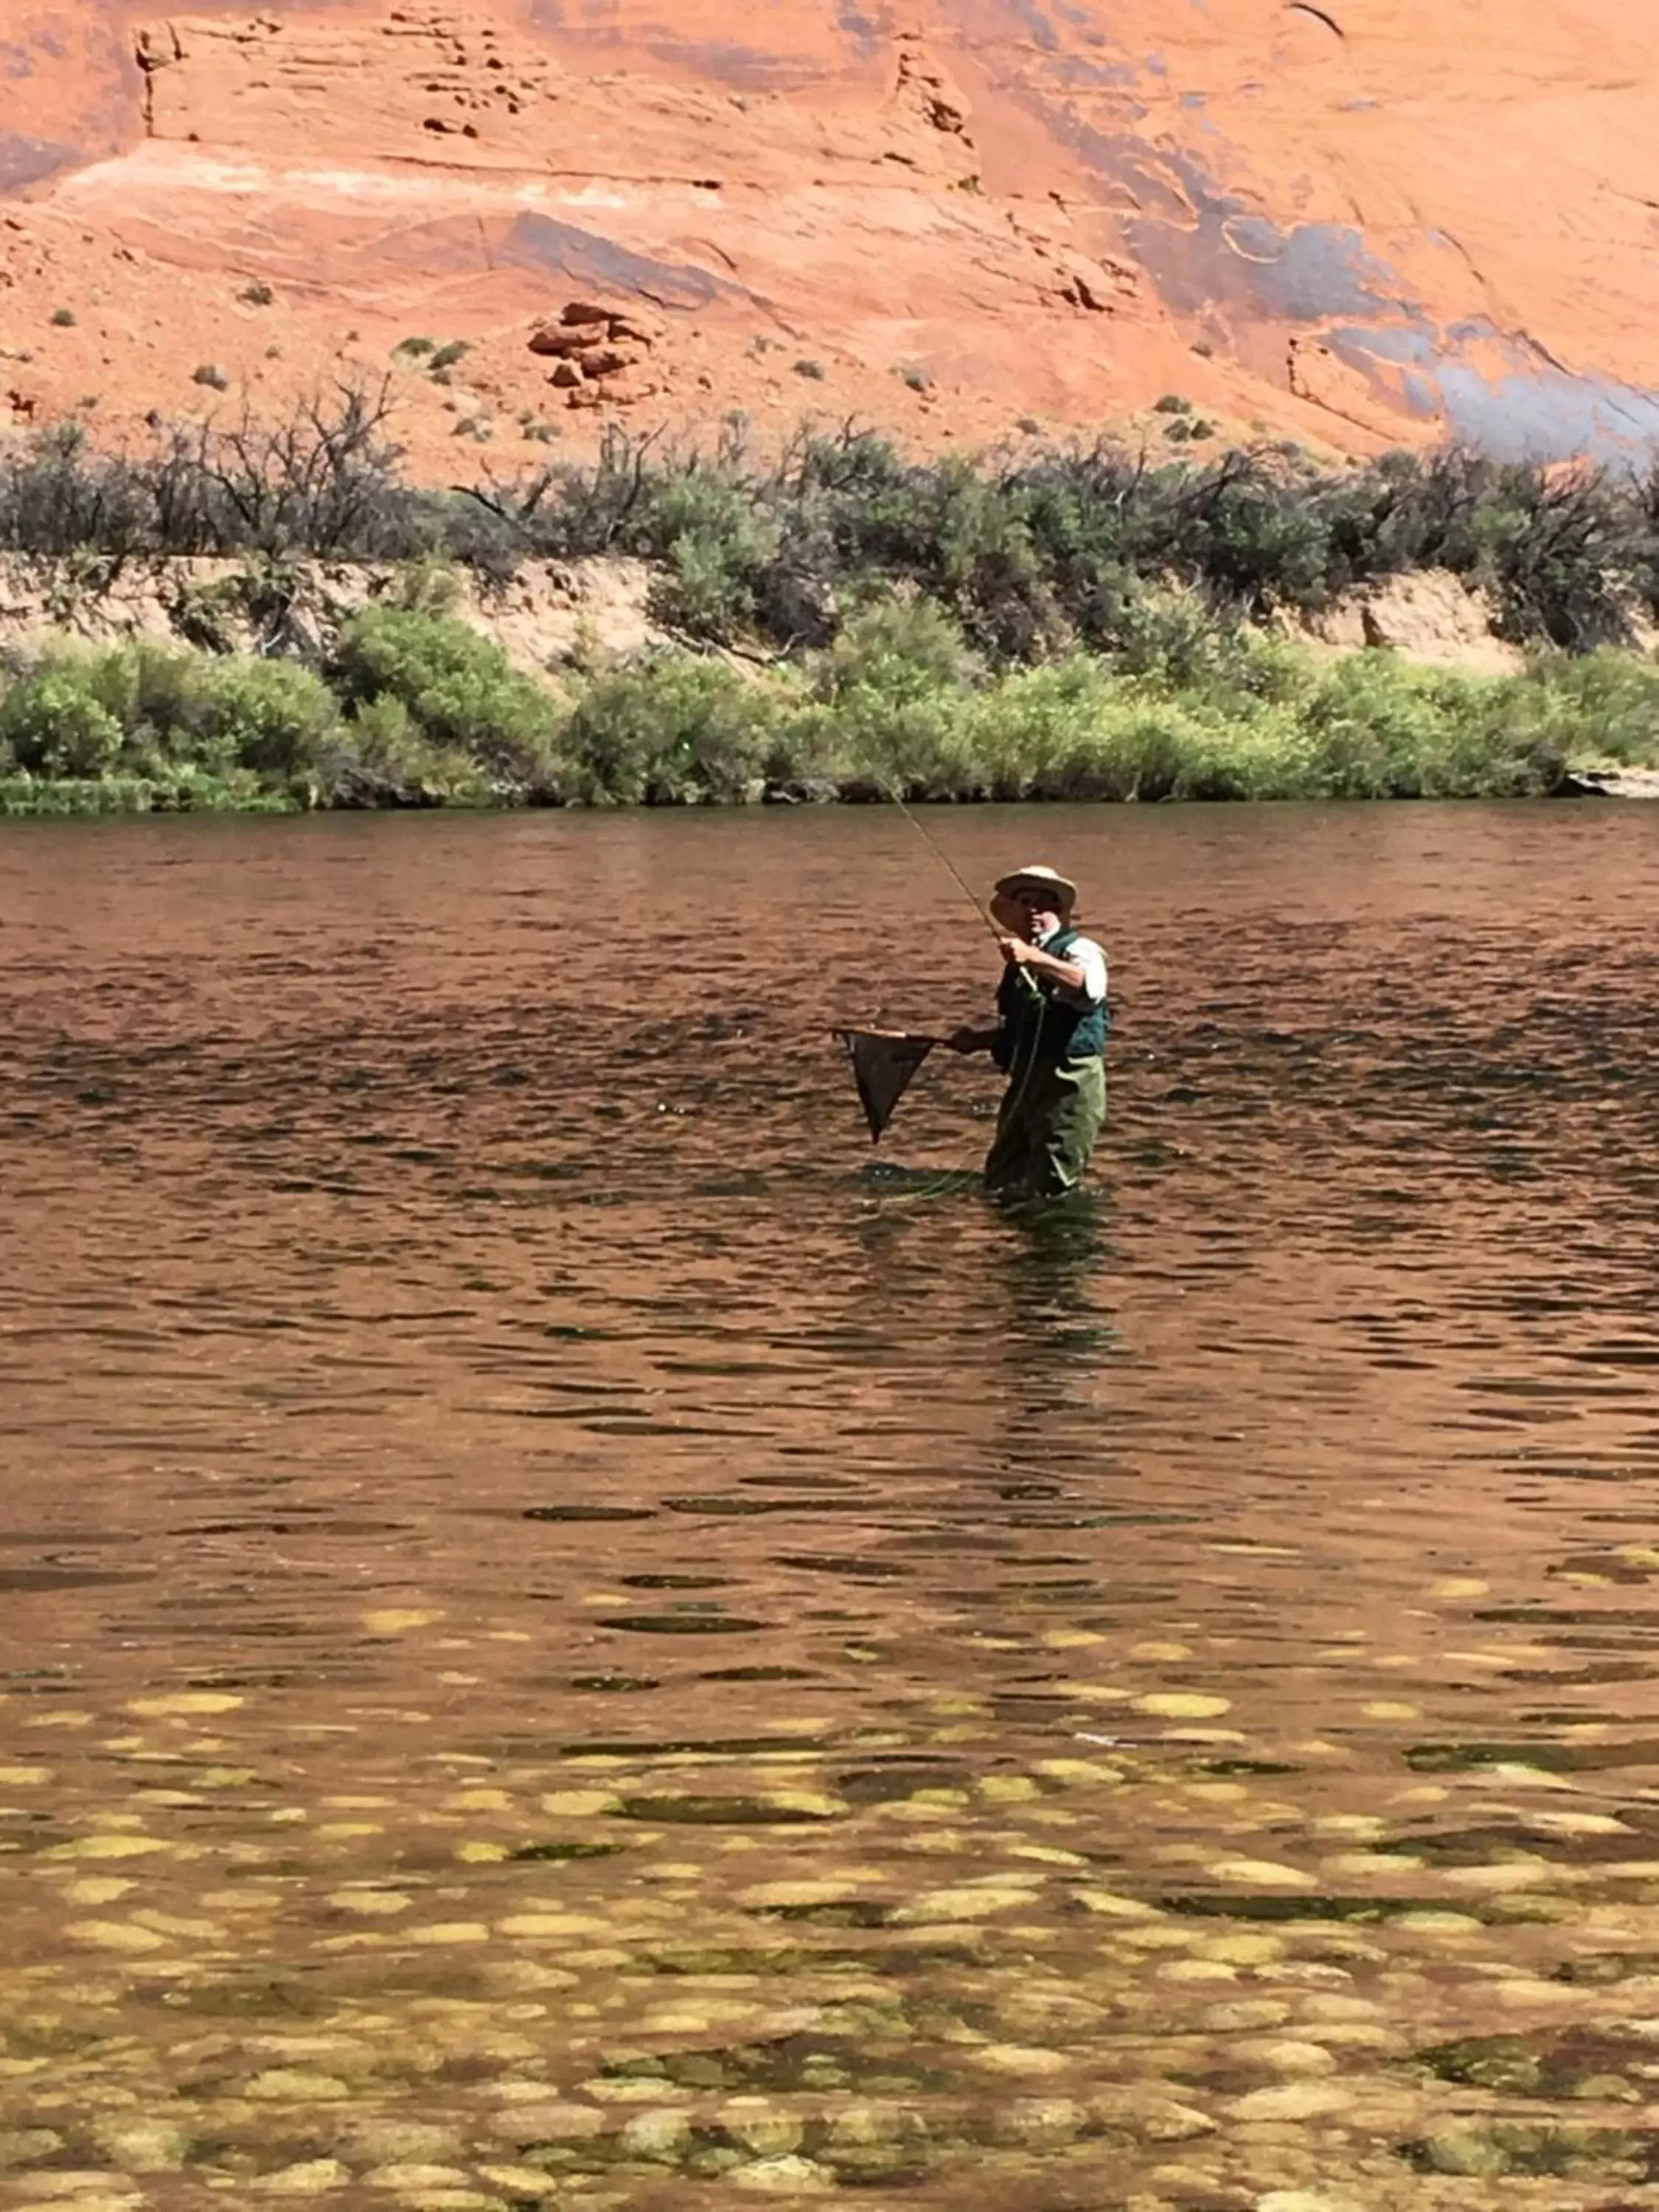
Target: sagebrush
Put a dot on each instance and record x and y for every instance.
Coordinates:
(1036, 552)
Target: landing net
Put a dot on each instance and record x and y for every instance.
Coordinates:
(883, 1061)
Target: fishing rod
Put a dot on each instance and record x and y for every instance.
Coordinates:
(942, 857)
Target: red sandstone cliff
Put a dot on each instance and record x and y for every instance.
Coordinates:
(1375, 222)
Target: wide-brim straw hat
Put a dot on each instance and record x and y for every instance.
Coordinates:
(1039, 878)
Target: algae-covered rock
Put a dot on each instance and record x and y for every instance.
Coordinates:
(142, 2146)
(759, 2127)
(1584, 2062)
(27, 2147)
(661, 2136)
(862, 2125)
(1606, 2089)
(709, 2162)
(1470, 2151)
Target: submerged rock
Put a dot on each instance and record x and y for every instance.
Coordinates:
(1040, 2122)
(27, 2147)
(411, 2177)
(296, 2085)
(784, 2176)
(398, 2142)
(552, 2124)
(521, 2181)
(1283, 2055)
(1306, 2200)
(1020, 2058)
(1295, 2100)
(313, 2177)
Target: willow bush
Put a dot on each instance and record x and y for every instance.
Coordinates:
(414, 708)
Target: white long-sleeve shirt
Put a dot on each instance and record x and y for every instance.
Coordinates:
(1083, 952)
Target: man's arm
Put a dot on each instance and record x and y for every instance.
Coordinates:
(972, 1040)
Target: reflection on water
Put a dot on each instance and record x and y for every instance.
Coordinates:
(565, 1638)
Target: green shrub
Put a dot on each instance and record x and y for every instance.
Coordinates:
(716, 545)
(1603, 705)
(459, 687)
(670, 730)
(1075, 730)
(900, 646)
(888, 703)
(267, 716)
(429, 585)
(383, 754)
(1558, 551)
(52, 723)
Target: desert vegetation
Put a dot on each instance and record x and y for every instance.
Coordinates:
(1085, 622)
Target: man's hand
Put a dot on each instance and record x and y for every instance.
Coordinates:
(971, 1040)
(1036, 961)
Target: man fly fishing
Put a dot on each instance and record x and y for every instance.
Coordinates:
(1049, 1040)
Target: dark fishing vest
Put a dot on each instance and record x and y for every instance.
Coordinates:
(1036, 1024)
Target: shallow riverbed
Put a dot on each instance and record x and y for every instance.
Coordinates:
(566, 1639)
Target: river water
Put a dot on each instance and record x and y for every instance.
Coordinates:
(567, 1639)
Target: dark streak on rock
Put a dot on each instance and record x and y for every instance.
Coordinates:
(587, 259)
(1306, 7)
(27, 160)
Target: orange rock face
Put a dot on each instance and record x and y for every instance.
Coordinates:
(1378, 222)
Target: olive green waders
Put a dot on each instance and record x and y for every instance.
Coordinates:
(1051, 1114)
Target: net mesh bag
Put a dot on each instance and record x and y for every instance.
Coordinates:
(883, 1061)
